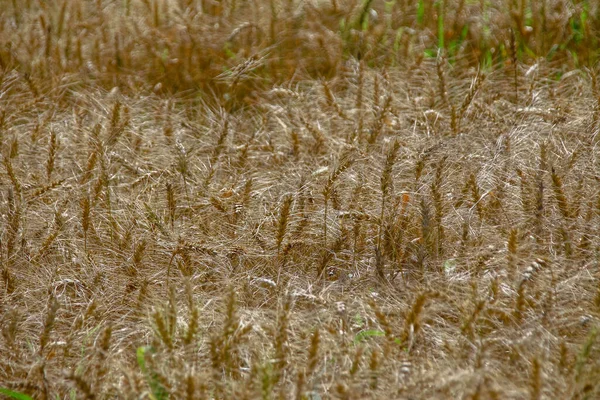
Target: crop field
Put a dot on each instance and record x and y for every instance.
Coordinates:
(284, 199)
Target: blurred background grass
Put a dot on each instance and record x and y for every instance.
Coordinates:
(231, 50)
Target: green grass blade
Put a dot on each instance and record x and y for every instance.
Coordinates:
(14, 395)
(441, 12)
(158, 391)
(364, 335)
(420, 12)
(141, 358)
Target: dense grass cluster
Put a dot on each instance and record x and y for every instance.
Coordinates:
(228, 199)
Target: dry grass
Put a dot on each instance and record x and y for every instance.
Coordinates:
(283, 199)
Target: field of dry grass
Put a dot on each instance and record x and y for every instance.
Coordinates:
(346, 199)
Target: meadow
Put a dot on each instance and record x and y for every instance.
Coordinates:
(284, 199)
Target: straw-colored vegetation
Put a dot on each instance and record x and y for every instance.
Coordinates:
(221, 199)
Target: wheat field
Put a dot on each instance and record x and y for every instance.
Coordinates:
(283, 199)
